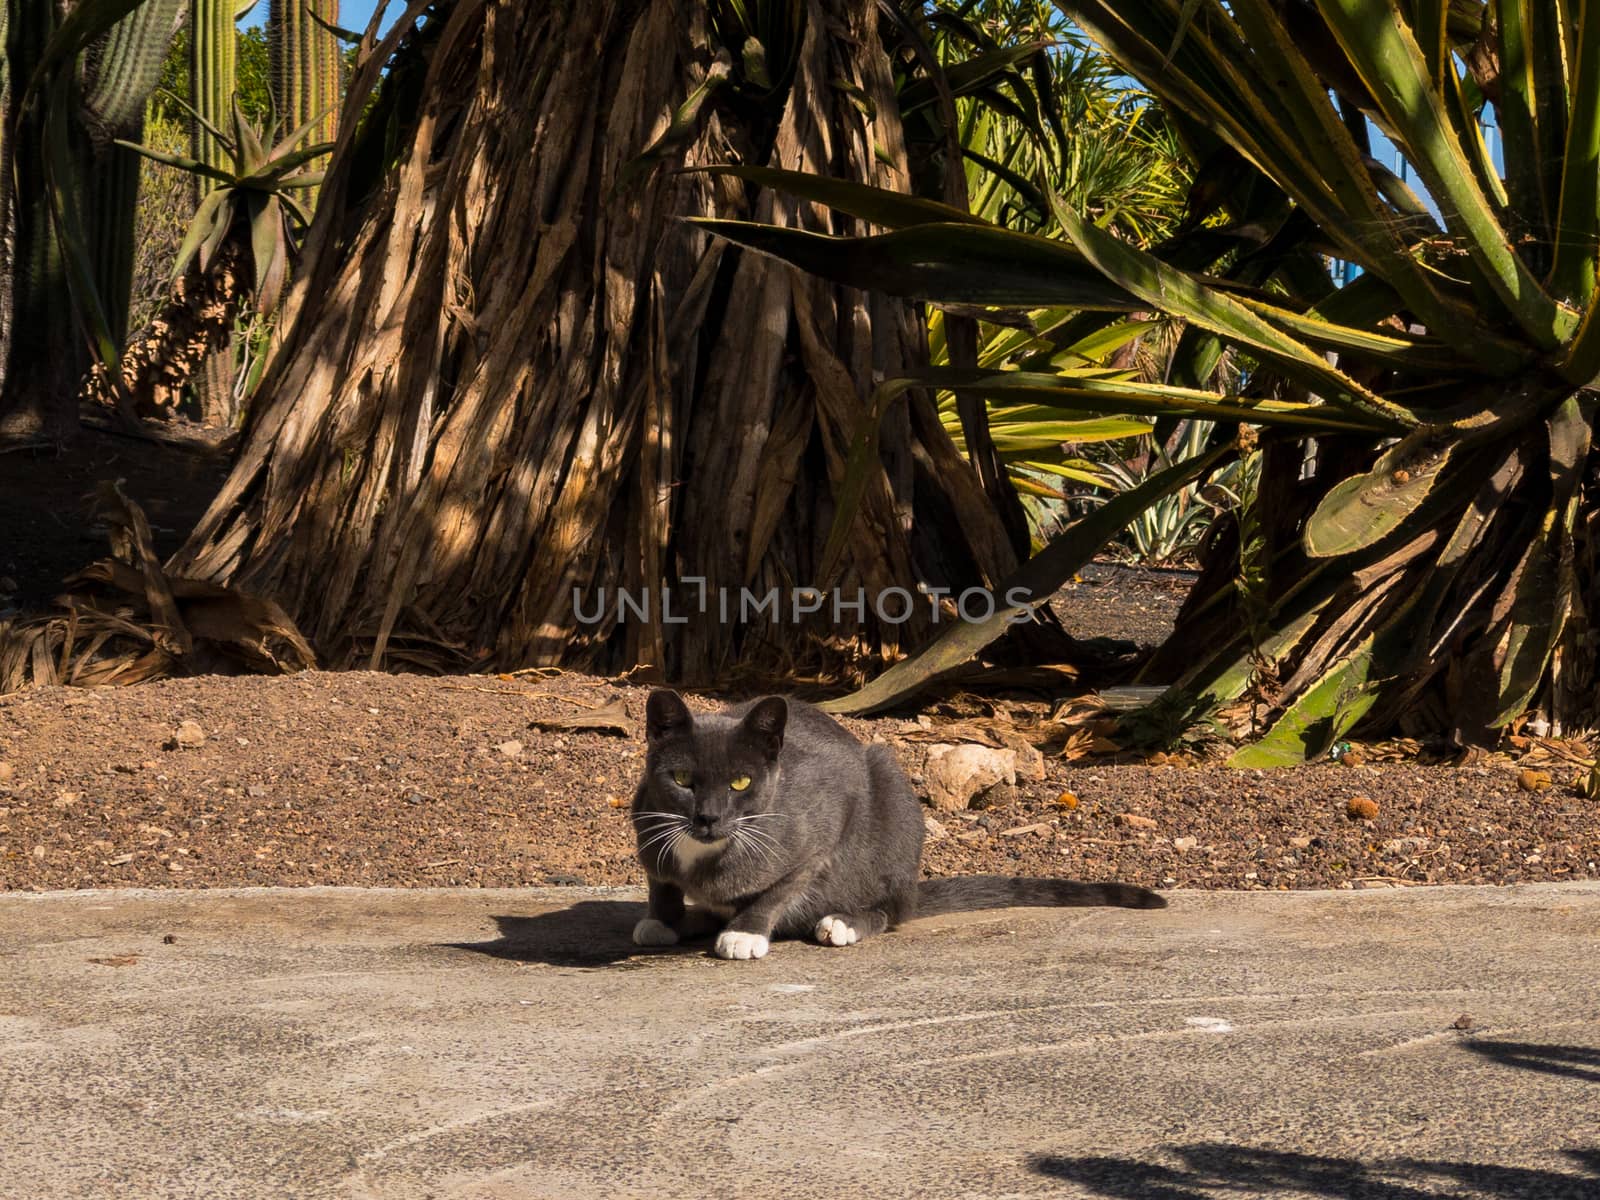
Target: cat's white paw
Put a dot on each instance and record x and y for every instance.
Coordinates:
(836, 931)
(731, 944)
(651, 932)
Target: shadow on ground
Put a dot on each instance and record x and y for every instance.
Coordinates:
(1209, 1170)
(591, 933)
(1572, 1062)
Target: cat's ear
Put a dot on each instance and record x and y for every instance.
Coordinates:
(764, 724)
(665, 715)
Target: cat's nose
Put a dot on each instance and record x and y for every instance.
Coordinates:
(706, 826)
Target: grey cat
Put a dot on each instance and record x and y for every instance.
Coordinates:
(777, 822)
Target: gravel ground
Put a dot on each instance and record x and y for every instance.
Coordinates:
(402, 780)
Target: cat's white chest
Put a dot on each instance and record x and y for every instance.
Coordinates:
(690, 853)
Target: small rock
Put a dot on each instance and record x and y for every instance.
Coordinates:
(1361, 808)
(1464, 1021)
(1030, 759)
(1022, 830)
(1134, 821)
(511, 749)
(175, 867)
(170, 939)
(1185, 843)
(956, 775)
(1000, 795)
(1300, 843)
(257, 790)
(187, 736)
(1531, 780)
(416, 798)
(120, 860)
(934, 829)
(7, 772)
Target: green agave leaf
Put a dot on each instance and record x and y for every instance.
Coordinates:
(1173, 291)
(685, 120)
(1542, 605)
(893, 210)
(1033, 583)
(1364, 509)
(1078, 470)
(273, 169)
(1392, 67)
(1032, 487)
(1083, 393)
(270, 250)
(1321, 715)
(951, 263)
(182, 162)
(252, 154)
(205, 219)
(1578, 219)
(1040, 435)
(284, 146)
(1407, 352)
(1226, 684)
(965, 77)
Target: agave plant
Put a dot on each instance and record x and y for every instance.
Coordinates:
(254, 190)
(1430, 551)
(239, 244)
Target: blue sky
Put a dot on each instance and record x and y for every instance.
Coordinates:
(353, 14)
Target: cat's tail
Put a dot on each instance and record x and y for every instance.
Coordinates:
(937, 896)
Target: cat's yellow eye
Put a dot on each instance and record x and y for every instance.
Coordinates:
(681, 778)
(739, 783)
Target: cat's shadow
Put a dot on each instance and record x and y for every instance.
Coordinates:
(590, 933)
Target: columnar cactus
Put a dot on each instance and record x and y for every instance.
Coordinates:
(306, 64)
(213, 59)
(118, 76)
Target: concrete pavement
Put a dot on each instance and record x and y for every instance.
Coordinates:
(269, 1044)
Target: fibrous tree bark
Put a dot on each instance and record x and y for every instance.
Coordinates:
(511, 376)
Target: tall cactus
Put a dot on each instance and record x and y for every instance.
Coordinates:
(306, 64)
(119, 75)
(213, 64)
(37, 339)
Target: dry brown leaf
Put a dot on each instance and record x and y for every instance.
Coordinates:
(612, 719)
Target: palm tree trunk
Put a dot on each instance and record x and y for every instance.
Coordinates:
(512, 376)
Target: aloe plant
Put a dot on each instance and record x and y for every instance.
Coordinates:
(251, 197)
(1436, 546)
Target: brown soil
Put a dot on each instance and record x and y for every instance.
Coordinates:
(405, 781)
